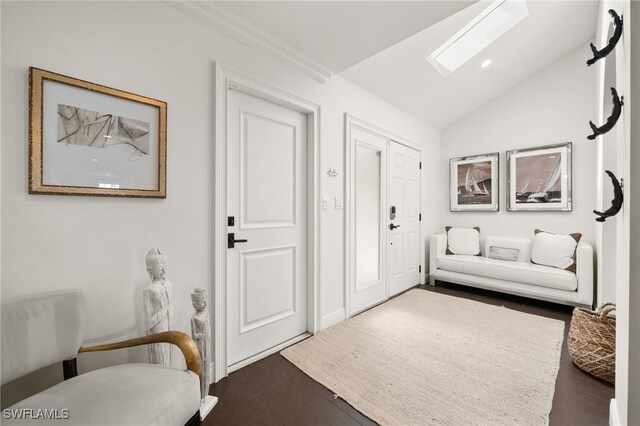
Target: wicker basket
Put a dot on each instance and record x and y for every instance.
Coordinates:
(592, 341)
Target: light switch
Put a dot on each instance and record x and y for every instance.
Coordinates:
(338, 202)
(325, 203)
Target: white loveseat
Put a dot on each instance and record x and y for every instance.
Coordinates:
(521, 277)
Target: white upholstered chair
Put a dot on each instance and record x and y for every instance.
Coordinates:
(42, 330)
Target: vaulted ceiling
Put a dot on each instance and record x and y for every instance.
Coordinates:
(340, 34)
(383, 45)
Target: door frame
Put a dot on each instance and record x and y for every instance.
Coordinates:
(226, 80)
(351, 121)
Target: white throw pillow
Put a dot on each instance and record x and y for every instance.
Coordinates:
(463, 241)
(557, 250)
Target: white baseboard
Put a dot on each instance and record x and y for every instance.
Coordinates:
(614, 419)
(332, 319)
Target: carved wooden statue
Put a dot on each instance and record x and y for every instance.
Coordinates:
(157, 305)
(201, 333)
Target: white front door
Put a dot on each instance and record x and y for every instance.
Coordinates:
(368, 218)
(403, 218)
(384, 218)
(267, 199)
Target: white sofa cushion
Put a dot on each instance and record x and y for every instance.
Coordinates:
(463, 240)
(556, 250)
(526, 273)
(128, 394)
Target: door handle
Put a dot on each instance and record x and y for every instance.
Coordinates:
(392, 226)
(231, 240)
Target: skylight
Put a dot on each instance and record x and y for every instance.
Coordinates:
(484, 29)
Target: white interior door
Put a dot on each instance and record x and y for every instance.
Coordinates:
(404, 218)
(368, 235)
(266, 196)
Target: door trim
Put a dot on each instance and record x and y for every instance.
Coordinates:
(351, 121)
(226, 80)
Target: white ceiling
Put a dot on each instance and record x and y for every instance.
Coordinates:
(339, 34)
(402, 76)
(383, 45)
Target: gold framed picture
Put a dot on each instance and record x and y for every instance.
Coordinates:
(89, 139)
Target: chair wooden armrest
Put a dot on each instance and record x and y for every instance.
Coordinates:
(183, 341)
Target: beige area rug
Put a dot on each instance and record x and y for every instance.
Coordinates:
(428, 359)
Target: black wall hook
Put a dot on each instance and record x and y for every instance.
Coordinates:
(616, 203)
(613, 118)
(617, 33)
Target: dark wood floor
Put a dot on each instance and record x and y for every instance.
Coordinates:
(273, 391)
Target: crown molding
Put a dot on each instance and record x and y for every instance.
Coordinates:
(232, 25)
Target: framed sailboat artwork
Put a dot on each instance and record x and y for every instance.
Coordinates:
(539, 179)
(474, 183)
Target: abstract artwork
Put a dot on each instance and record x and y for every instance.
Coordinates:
(474, 183)
(77, 126)
(89, 139)
(539, 179)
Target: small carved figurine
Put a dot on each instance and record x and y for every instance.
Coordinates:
(616, 203)
(157, 305)
(615, 38)
(201, 333)
(613, 118)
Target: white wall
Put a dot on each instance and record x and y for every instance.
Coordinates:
(633, 194)
(606, 233)
(554, 106)
(627, 400)
(99, 244)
